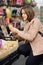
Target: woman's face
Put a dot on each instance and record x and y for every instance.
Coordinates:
(24, 15)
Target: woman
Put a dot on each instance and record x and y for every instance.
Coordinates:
(33, 32)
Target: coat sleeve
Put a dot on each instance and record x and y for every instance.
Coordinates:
(26, 27)
(32, 32)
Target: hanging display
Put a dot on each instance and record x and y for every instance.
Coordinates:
(19, 2)
(27, 1)
(1, 2)
(11, 2)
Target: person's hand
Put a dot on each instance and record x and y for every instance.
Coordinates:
(15, 30)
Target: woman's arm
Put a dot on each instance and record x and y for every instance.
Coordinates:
(15, 31)
(31, 34)
(26, 27)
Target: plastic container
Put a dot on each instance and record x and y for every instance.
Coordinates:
(2, 42)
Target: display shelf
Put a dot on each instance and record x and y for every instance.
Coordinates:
(33, 5)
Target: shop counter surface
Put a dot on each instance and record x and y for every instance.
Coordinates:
(8, 51)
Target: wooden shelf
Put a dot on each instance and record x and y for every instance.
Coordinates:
(2, 15)
(33, 5)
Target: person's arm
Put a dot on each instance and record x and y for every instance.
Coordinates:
(26, 27)
(31, 34)
(15, 31)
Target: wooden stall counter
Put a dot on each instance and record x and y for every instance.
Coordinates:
(8, 48)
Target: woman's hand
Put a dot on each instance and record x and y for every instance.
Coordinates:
(13, 29)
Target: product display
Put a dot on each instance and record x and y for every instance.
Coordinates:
(8, 12)
(11, 2)
(19, 2)
(28, 1)
(14, 13)
(1, 2)
(1, 12)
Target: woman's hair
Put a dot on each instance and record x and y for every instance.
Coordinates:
(29, 11)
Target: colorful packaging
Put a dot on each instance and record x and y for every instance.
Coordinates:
(19, 2)
(12, 2)
(1, 12)
(27, 1)
(2, 43)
